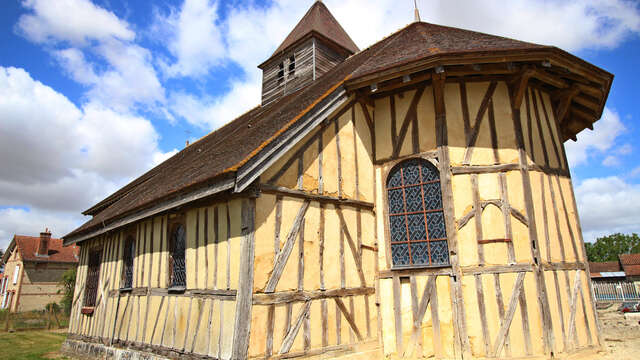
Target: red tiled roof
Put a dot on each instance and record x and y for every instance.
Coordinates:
(607, 266)
(630, 264)
(28, 245)
(218, 155)
(320, 20)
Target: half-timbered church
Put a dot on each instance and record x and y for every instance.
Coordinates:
(411, 199)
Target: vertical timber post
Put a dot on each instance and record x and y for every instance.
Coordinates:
(244, 298)
(517, 88)
(462, 340)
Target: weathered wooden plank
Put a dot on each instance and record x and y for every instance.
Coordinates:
(572, 316)
(435, 322)
(483, 169)
(354, 251)
(508, 317)
(244, 299)
(397, 311)
(543, 302)
(301, 257)
(279, 190)
(506, 215)
(201, 303)
(186, 330)
(477, 217)
(321, 245)
(293, 331)
(283, 256)
(548, 122)
(338, 156)
(284, 297)
(482, 310)
(500, 303)
(325, 322)
(524, 314)
(461, 341)
(228, 246)
(270, 325)
(497, 269)
(560, 310)
(209, 322)
(349, 317)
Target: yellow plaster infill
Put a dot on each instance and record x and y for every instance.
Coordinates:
(286, 127)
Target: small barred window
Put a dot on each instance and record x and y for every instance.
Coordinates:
(177, 266)
(280, 72)
(128, 256)
(93, 277)
(416, 216)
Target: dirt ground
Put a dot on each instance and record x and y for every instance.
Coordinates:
(621, 336)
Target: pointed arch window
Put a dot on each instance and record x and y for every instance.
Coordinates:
(127, 259)
(416, 216)
(177, 264)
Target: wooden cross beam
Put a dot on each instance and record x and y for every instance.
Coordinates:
(563, 100)
(518, 85)
(283, 256)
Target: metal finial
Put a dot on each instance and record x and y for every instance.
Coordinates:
(415, 11)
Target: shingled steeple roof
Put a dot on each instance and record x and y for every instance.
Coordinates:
(318, 19)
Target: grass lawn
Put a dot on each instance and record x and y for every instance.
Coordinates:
(38, 344)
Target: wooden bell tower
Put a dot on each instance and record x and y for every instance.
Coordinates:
(314, 46)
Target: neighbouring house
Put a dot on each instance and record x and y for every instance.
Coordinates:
(33, 268)
(412, 199)
(626, 268)
(607, 271)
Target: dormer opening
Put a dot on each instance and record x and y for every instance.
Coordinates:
(281, 73)
(292, 65)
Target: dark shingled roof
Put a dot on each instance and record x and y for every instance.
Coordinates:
(27, 247)
(630, 264)
(607, 266)
(219, 154)
(319, 19)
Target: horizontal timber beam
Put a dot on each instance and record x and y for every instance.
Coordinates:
(279, 190)
(496, 269)
(285, 297)
(563, 266)
(195, 293)
(388, 274)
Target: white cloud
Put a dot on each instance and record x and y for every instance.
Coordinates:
(31, 222)
(596, 142)
(126, 78)
(59, 157)
(608, 205)
(75, 21)
(195, 38)
(611, 161)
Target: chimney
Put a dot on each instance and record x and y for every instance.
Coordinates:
(43, 247)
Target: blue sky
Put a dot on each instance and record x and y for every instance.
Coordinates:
(94, 93)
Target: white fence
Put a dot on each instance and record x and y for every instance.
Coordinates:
(620, 291)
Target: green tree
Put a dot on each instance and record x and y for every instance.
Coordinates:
(68, 284)
(608, 248)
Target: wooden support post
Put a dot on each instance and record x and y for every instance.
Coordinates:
(244, 297)
(460, 328)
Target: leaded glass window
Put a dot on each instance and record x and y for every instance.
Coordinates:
(416, 216)
(93, 276)
(127, 258)
(177, 266)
